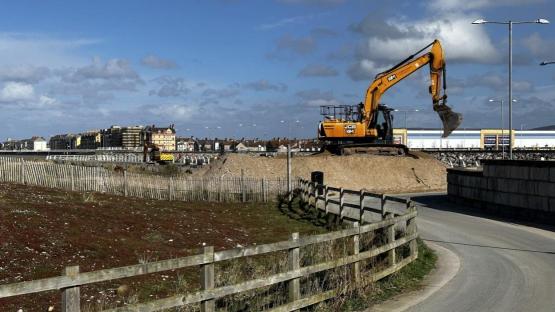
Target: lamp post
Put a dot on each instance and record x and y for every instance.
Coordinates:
(547, 63)
(297, 122)
(406, 111)
(511, 23)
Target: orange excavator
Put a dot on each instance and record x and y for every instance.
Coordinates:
(367, 127)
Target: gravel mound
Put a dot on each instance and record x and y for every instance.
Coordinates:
(384, 174)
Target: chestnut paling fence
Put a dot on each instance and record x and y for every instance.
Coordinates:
(364, 263)
(179, 187)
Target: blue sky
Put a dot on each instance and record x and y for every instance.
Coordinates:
(237, 68)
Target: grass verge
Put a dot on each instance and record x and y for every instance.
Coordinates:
(407, 279)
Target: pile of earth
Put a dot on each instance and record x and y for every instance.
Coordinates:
(384, 174)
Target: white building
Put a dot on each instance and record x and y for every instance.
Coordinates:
(475, 138)
(39, 144)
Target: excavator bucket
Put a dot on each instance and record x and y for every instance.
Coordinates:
(449, 118)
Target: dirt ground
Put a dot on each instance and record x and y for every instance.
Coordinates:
(43, 230)
(382, 174)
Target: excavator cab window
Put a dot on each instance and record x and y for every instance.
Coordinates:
(383, 123)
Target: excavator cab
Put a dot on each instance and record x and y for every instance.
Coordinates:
(383, 122)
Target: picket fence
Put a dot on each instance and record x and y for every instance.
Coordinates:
(179, 187)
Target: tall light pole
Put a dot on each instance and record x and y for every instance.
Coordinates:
(511, 23)
(297, 122)
(406, 111)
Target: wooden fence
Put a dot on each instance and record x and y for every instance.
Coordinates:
(355, 260)
(150, 186)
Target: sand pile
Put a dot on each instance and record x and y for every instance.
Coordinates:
(387, 174)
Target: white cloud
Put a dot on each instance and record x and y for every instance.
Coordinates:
(22, 95)
(113, 69)
(462, 42)
(46, 101)
(16, 92)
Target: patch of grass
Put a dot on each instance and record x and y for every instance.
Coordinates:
(407, 279)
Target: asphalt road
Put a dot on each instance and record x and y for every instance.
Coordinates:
(504, 266)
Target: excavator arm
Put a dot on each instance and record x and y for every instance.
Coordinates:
(389, 78)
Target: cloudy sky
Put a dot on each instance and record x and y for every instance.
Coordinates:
(238, 67)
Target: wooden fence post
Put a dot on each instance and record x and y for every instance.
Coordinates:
(294, 263)
(125, 183)
(326, 199)
(313, 192)
(243, 193)
(306, 191)
(207, 279)
(361, 206)
(170, 186)
(341, 202)
(264, 195)
(220, 189)
(382, 206)
(289, 184)
(302, 189)
(412, 229)
(390, 233)
(71, 299)
(356, 250)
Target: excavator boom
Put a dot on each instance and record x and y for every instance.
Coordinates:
(391, 77)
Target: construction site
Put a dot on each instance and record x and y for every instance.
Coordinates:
(280, 176)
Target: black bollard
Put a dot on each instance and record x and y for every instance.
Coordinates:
(317, 177)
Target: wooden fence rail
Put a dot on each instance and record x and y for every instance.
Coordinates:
(71, 280)
(180, 187)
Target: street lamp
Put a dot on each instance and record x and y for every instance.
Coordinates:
(406, 111)
(297, 122)
(547, 63)
(511, 23)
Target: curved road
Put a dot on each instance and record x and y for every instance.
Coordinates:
(504, 266)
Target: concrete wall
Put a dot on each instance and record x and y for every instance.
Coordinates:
(518, 188)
